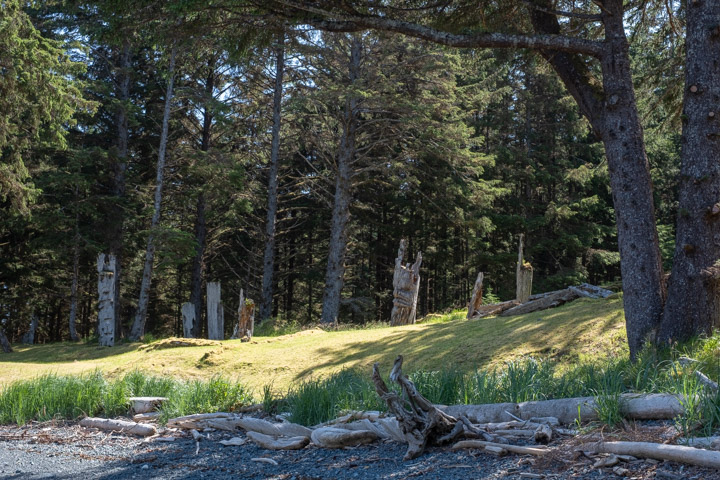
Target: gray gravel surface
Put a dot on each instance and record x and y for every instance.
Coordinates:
(68, 451)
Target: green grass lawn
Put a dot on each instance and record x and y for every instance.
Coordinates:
(583, 329)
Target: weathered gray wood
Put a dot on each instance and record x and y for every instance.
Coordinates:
(334, 437)
(494, 308)
(273, 443)
(214, 313)
(106, 300)
(537, 451)
(276, 429)
(476, 298)
(29, 337)
(246, 318)
(652, 406)
(420, 421)
(124, 426)
(406, 286)
(551, 301)
(146, 404)
(188, 316)
(591, 291)
(657, 451)
(4, 342)
(523, 275)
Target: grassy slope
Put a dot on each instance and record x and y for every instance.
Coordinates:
(584, 328)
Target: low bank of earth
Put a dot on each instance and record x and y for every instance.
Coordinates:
(68, 451)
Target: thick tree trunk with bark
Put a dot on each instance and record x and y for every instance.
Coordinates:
(476, 299)
(523, 276)
(138, 328)
(215, 316)
(273, 166)
(693, 304)
(106, 266)
(406, 285)
(343, 196)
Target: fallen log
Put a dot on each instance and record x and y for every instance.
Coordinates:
(123, 426)
(712, 443)
(551, 301)
(286, 429)
(385, 428)
(653, 406)
(219, 420)
(146, 404)
(282, 443)
(537, 451)
(490, 309)
(657, 451)
(420, 421)
(591, 291)
(334, 437)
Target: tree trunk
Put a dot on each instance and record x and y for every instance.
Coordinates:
(631, 186)
(75, 278)
(196, 277)
(138, 328)
(188, 319)
(215, 318)
(106, 266)
(476, 299)
(693, 304)
(343, 196)
(269, 255)
(523, 276)
(4, 342)
(29, 337)
(406, 285)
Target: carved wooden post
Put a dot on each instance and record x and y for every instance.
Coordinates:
(106, 299)
(188, 316)
(29, 337)
(246, 318)
(215, 312)
(523, 276)
(4, 342)
(406, 284)
(476, 299)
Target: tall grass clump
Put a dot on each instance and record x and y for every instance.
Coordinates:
(205, 396)
(318, 400)
(61, 397)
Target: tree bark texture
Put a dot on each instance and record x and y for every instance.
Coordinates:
(188, 318)
(693, 304)
(343, 195)
(406, 285)
(523, 275)
(106, 265)
(246, 318)
(215, 315)
(138, 328)
(273, 166)
(29, 337)
(476, 299)
(4, 342)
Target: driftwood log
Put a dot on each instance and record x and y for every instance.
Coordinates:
(124, 426)
(246, 318)
(406, 286)
(657, 451)
(551, 301)
(537, 451)
(275, 443)
(523, 275)
(4, 342)
(476, 298)
(420, 421)
(335, 437)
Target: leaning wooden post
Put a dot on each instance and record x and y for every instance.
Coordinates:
(476, 299)
(246, 318)
(214, 312)
(106, 299)
(188, 316)
(523, 276)
(406, 286)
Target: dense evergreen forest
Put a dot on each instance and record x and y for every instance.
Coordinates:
(266, 148)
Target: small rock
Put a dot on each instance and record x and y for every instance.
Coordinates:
(145, 467)
(622, 472)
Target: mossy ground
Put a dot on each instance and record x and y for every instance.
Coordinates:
(583, 329)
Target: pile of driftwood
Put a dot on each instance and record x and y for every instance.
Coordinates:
(499, 429)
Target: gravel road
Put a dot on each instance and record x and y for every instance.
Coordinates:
(68, 451)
